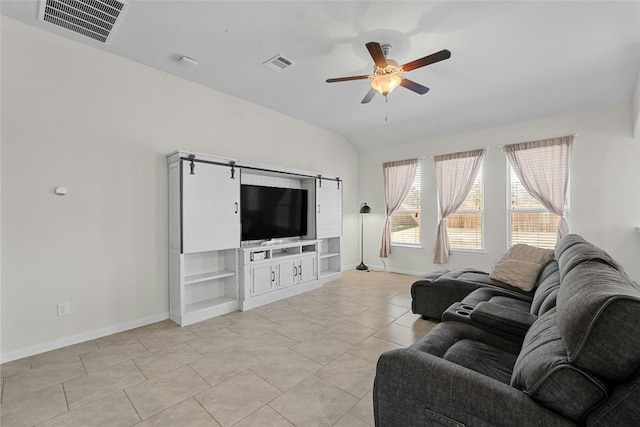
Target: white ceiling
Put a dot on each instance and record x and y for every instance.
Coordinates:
(511, 61)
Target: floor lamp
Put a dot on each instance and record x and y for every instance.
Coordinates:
(364, 209)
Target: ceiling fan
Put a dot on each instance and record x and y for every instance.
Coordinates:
(388, 75)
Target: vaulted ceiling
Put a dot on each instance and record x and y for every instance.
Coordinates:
(511, 60)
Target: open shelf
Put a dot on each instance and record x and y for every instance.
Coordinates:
(201, 305)
(326, 273)
(328, 255)
(203, 277)
(275, 255)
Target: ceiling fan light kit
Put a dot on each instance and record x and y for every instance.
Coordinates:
(388, 75)
(386, 83)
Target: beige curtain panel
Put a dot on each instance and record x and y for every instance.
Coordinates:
(455, 175)
(398, 177)
(543, 169)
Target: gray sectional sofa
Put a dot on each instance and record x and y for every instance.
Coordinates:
(574, 361)
(435, 292)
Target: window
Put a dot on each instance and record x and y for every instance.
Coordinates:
(405, 222)
(538, 188)
(529, 222)
(464, 227)
(456, 174)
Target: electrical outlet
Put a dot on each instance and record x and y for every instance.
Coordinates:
(63, 309)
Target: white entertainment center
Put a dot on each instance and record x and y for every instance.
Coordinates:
(211, 270)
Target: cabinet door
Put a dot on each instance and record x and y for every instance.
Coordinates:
(307, 269)
(210, 210)
(328, 209)
(287, 273)
(263, 278)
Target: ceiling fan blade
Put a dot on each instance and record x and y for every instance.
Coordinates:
(346, 79)
(369, 96)
(416, 87)
(429, 59)
(376, 53)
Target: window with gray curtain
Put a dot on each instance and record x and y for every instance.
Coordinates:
(398, 178)
(455, 176)
(539, 178)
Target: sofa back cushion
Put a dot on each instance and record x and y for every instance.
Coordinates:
(543, 371)
(599, 319)
(572, 251)
(546, 290)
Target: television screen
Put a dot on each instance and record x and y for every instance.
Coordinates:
(272, 212)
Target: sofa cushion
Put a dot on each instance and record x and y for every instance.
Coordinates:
(483, 358)
(548, 283)
(542, 370)
(569, 255)
(598, 316)
(520, 266)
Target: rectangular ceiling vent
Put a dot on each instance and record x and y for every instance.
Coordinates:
(278, 63)
(96, 19)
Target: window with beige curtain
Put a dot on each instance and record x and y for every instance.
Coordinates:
(398, 178)
(405, 221)
(465, 226)
(455, 175)
(538, 182)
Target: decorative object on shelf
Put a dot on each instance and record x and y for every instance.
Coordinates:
(364, 209)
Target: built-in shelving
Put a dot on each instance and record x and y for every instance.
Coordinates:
(211, 272)
(329, 259)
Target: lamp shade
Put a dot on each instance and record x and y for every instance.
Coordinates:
(386, 83)
(365, 209)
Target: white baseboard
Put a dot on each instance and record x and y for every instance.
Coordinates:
(76, 339)
(348, 267)
(396, 270)
(387, 269)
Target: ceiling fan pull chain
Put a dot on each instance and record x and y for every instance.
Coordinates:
(386, 109)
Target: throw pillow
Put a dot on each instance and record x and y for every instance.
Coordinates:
(521, 274)
(521, 265)
(529, 253)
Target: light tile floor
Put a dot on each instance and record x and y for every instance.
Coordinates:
(308, 360)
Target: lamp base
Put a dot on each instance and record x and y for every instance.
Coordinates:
(362, 266)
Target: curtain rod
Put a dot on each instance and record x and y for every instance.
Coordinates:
(575, 135)
(485, 148)
(417, 158)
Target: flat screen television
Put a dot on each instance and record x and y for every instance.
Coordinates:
(272, 212)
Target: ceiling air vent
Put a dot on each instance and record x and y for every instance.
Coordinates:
(278, 63)
(96, 19)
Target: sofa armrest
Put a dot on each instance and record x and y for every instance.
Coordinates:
(413, 388)
(431, 298)
(503, 318)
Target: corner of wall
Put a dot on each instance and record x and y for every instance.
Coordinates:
(635, 110)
